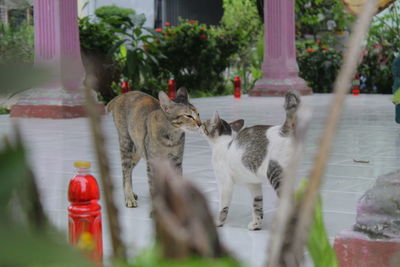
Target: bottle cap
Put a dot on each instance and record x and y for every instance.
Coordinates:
(82, 164)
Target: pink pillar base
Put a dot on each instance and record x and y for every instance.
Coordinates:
(355, 249)
(53, 103)
(51, 111)
(270, 87)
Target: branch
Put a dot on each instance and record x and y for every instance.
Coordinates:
(293, 222)
(92, 109)
(346, 74)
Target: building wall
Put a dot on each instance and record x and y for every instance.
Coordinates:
(205, 11)
(140, 6)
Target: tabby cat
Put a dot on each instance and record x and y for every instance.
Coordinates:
(151, 129)
(250, 156)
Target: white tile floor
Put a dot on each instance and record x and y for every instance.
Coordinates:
(367, 132)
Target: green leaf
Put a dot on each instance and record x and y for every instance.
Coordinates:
(138, 20)
(321, 251)
(123, 51)
(12, 170)
(396, 97)
(152, 31)
(119, 45)
(23, 248)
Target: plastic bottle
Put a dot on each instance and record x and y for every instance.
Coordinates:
(84, 212)
(236, 87)
(171, 88)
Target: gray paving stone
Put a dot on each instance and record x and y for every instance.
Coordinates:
(367, 132)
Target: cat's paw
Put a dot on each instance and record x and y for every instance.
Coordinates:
(131, 202)
(253, 226)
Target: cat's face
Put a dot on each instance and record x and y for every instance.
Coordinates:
(180, 112)
(217, 127)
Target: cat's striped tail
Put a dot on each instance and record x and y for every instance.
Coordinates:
(292, 103)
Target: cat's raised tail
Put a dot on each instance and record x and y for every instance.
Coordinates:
(292, 101)
(291, 105)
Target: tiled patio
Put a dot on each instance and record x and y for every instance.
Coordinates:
(367, 132)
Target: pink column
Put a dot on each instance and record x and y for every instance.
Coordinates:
(56, 48)
(280, 66)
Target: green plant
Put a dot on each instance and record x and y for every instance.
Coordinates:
(152, 258)
(375, 66)
(97, 39)
(242, 18)
(318, 65)
(4, 111)
(23, 226)
(383, 45)
(132, 50)
(318, 243)
(196, 55)
(313, 16)
(16, 44)
(396, 97)
(114, 15)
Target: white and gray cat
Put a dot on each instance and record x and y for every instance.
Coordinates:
(250, 156)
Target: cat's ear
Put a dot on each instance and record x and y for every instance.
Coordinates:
(182, 93)
(215, 119)
(237, 125)
(165, 102)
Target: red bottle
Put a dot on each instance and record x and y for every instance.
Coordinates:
(356, 85)
(171, 88)
(236, 87)
(124, 87)
(85, 212)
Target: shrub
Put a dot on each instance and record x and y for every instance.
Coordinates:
(383, 44)
(4, 111)
(313, 16)
(241, 18)
(97, 39)
(376, 68)
(318, 65)
(114, 15)
(135, 60)
(16, 44)
(195, 55)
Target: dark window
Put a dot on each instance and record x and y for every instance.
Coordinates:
(205, 11)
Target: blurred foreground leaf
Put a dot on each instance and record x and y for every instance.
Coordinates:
(12, 171)
(19, 247)
(321, 251)
(153, 258)
(20, 208)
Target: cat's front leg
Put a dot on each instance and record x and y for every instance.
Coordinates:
(225, 194)
(256, 193)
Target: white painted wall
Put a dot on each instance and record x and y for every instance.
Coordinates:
(140, 6)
